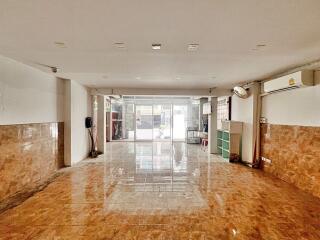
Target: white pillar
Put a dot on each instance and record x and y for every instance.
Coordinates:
(212, 126)
(101, 124)
(94, 118)
(202, 101)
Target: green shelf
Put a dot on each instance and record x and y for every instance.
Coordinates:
(225, 145)
(225, 154)
(225, 136)
(229, 140)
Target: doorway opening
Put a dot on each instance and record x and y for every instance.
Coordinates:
(136, 118)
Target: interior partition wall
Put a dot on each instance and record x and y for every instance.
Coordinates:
(153, 118)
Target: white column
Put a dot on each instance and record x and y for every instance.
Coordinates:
(94, 118)
(212, 126)
(101, 124)
(202, 101)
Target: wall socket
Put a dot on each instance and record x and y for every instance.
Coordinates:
(266, 160)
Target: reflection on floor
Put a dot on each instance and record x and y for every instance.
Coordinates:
(163, 191)
(156, 178)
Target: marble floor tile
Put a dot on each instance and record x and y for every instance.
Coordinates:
(163, 191)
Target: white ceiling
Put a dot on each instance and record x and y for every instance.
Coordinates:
(227, 31)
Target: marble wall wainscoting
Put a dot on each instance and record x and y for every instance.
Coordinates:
(294, 152)
(30, 154)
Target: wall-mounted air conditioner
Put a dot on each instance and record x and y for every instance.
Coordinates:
(295, 80)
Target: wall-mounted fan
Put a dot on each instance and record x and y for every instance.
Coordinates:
(241, 92)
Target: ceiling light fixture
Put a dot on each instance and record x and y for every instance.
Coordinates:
(138, 78)
(259, 47)
(60, 44)
(120, 45)
(156, 46)
(193, 46)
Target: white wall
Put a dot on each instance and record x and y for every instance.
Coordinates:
(294, 107)
(80, 109)
(77, 107)
(212, 126)
(242, 110)
(28, 95)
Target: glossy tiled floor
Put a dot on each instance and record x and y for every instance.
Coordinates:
(163, 191)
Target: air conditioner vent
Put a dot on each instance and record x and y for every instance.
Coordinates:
(284, 89)
(292, 81)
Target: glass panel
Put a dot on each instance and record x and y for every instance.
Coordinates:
(179, 121)
(122, 120)
(222, 111)
(162, 122)
(153, 118)
(193, 118)
(144, 161)
(144, 123)
(129, 121)
(116, 118)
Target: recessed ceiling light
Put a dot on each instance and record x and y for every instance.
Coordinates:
(120, 45)
(138, 78)
(156, 46)
(60, 44)
(193, 46)
(178, 78)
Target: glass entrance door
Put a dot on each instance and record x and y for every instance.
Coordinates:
(153, 119)
(180, 116)
(162, 122)
(144, 122)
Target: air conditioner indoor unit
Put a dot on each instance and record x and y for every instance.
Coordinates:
(295, 80)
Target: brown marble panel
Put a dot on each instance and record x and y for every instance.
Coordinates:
(295, 154)
(60, 162)
(29, 155)
(9, 134)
